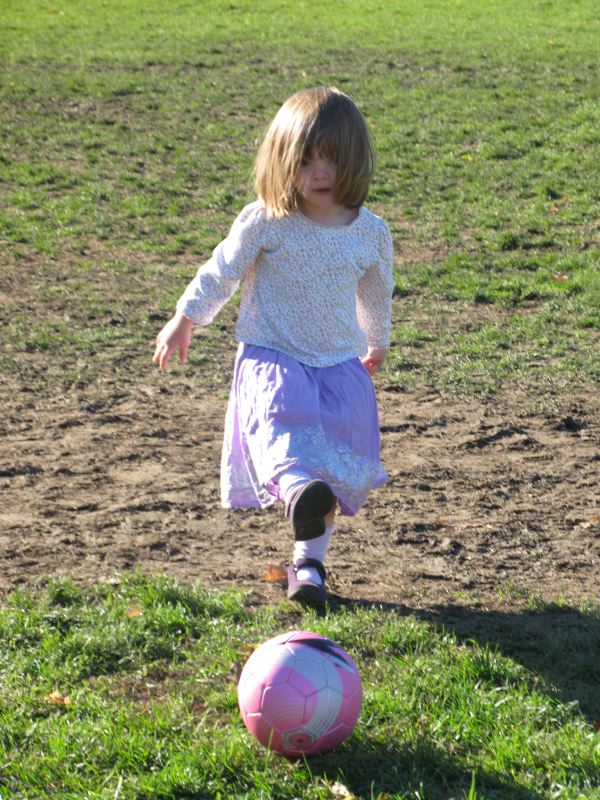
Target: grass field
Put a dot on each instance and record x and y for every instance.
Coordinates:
(128, 134)
(128, 690)
(128, 131)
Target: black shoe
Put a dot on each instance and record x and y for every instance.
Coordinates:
(308, 509)
(307, 592)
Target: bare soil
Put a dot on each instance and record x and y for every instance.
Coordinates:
(489, 501)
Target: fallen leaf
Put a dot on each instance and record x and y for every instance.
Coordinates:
(56, 698)
(136, 611)
(341, 792)
(553, 209)
(560, 276)
(240, 662)
(247, 651)
(276, 573)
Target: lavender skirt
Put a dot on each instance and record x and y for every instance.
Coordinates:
(286, 415)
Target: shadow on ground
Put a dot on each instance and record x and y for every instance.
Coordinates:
(377, 770)
(558, 644)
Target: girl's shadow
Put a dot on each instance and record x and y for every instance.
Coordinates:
(560, 648)
(370, 769)
(559, 644)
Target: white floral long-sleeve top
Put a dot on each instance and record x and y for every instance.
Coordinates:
(319, 293)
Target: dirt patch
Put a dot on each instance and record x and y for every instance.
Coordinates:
(488, 501)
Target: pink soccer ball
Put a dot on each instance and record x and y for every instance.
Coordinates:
(300, 694)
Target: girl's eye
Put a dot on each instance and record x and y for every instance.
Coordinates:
(305, 162)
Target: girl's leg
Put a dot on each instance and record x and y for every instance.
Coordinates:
(311, 506)
(306, 573)
(314, 549)
(290, 482)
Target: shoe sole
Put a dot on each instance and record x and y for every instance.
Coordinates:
(308, 512)
(309, 596)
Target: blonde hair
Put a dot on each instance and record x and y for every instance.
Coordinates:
(320, 122)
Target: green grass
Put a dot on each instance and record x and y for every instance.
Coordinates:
(495, 706)
(129, 129)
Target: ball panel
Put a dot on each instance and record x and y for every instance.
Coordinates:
(351, 706)
(283, 707)
(297, 743)
(301, 646)
(334, 738)
(349, 682)
(264, 733)
(250, 693)
(294, 636)
(326, 711)
(273, 664)
(309, 675)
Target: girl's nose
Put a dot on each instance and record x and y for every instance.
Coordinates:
(321, 168)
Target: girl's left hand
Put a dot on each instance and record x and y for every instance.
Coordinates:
(374, 359)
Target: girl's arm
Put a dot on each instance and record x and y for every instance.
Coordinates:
(217, 280)
(374, 302)
(214, 284)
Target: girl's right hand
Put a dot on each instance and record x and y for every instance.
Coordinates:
(176, 335)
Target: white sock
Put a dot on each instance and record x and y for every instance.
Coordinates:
(312, 548)
(290, 482)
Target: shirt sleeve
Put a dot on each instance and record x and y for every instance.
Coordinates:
(374, 295)
(217, 280)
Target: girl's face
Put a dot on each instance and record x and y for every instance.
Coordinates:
(315, 185)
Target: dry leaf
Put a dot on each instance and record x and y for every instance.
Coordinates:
(240, 662)
(341, 792)
(247, 651)
(276, 573)
(56, 698)
(136, 611)
(560, 276)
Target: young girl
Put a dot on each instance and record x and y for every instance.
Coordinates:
(313, 327)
